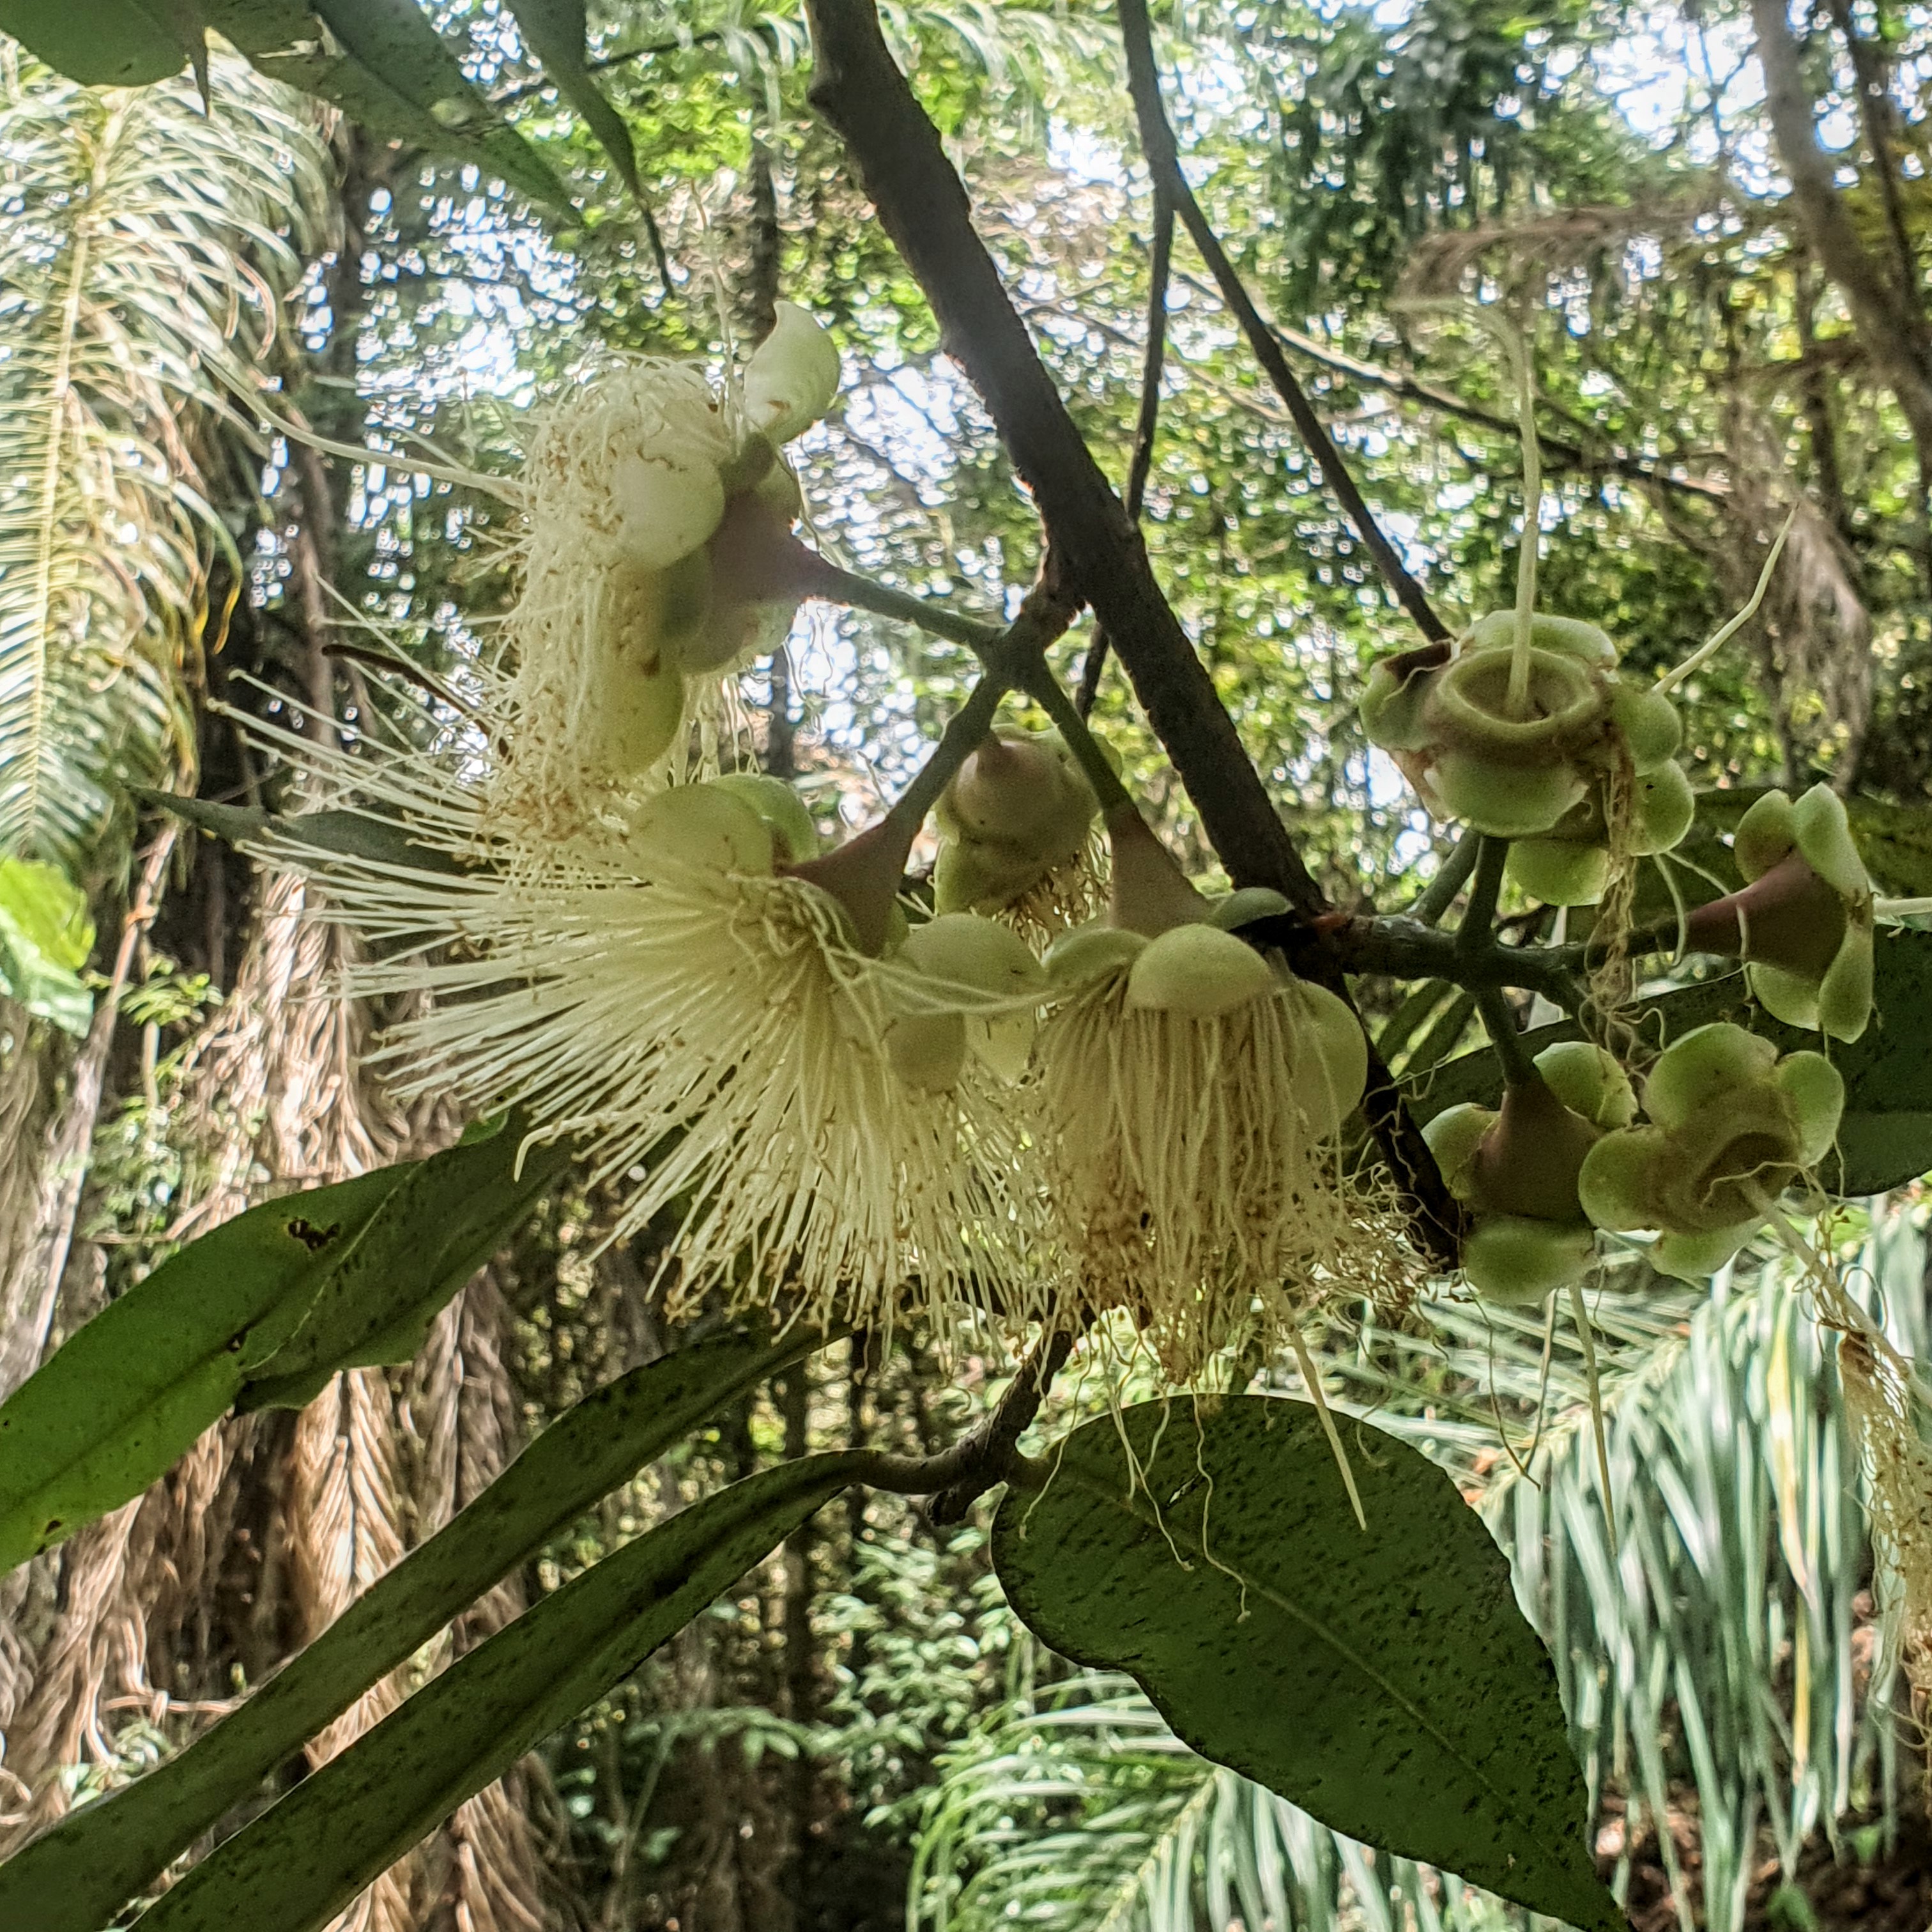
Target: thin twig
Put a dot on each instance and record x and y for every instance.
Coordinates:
(1163, 159)
(957, 1477)
(1439, 895)
(1152, 356)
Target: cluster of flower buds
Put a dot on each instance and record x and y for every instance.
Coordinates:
(1517, 1170)
(1016, 811)
(1731, 1126)
(1803, 924)
(1534, 746)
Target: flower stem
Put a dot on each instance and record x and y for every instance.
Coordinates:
(1519, 1069)
(835, 585)
(1586, 1337)
(1043, 688)
(1704, 652)
(1439, 895)
(1475, 932)
(1524, 370)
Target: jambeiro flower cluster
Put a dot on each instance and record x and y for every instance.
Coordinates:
(843, 1100)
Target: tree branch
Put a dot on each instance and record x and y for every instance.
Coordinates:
(1152, 355)
(1884, 327)
(923, 206)
(1157, 144)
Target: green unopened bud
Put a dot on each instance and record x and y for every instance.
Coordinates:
(1331, 1056)
(1706, 1066)
(1089, 952)
(782, 810)
(1589, 1082)
(1558, 871)
(1662, 810)
(1199, 971)
(792, 376)
(1453, 1135)
(1243, 907)
(701, 827)
(1652, 730)
(1516, 1261)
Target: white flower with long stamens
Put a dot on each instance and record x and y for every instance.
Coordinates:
(1189, 1091)
(657, 556)
(706, 1026)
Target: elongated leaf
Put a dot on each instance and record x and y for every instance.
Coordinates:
(99, 42)
(115, 1407)
(46, 936)
(1886, 1139)
(303, 1860)
(1383, 1681)
(381, 62)
(442, 1223)
(355, 834)
(389, 70)
(80, 1874)
(334, 1269)
(554, 31)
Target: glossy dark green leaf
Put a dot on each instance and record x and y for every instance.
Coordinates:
(268, 1303)
(77, 1876)
(1886, 1139)
(299, 1864)
(554, 30)
(381, 62)
(1384, 1682)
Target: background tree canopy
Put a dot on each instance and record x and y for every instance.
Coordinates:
(280, 286)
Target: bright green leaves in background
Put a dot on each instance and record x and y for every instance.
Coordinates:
(46, 936)
(80, 1874)
(1384, 1680)
(260, 1312)
(1886, 1139)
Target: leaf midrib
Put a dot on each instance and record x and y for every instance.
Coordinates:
(1106, 1492)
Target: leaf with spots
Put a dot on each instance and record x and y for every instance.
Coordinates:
(278, 1296)
(307, 1857)
(1384, 1680)
(78, 1875)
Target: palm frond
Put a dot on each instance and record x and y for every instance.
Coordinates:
(1708, 1667)
(146, 246)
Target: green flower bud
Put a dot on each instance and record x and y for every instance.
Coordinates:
(1589, 1082)
(1016, 809)
(1803, 924)
(1663, 810)
(1516, 1261)
(1732, 1126)
(1089, 952)
(1652, 730)
(794, 835)
(1243, 907)
(1331, 1056)
(702, 826)
(1199, 971)
(1453, 1135)
(1558, 871)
